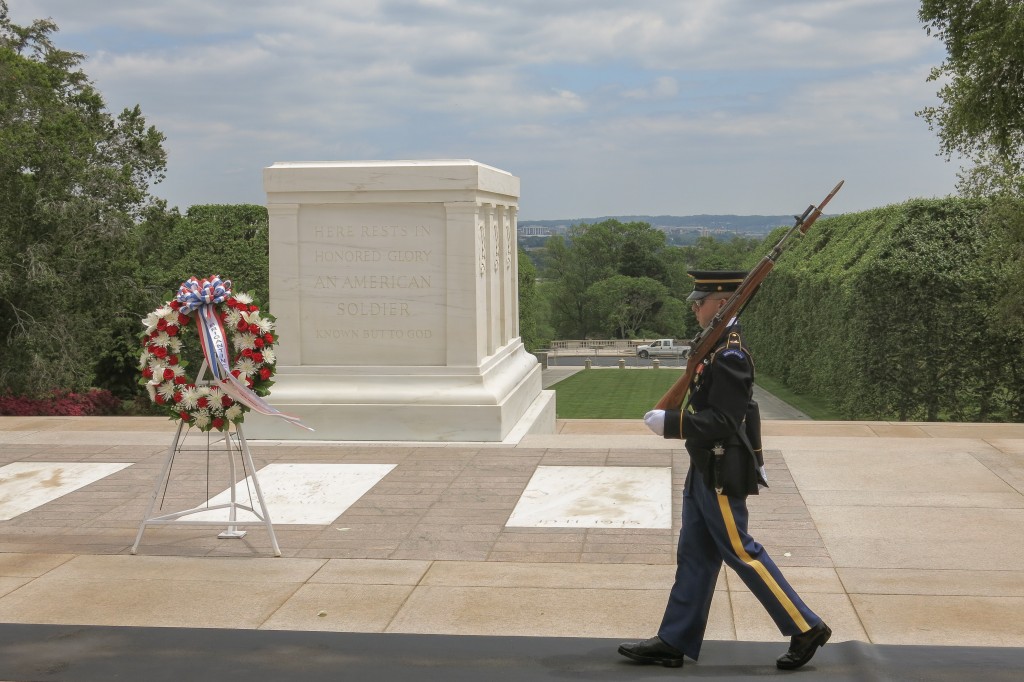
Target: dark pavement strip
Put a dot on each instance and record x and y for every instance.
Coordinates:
(72, 653)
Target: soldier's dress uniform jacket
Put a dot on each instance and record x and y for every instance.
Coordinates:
(721, 413)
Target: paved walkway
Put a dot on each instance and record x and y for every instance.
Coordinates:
(895, 533)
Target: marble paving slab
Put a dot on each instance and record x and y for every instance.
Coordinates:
(27, 485)
(302, 493)
(596, 497)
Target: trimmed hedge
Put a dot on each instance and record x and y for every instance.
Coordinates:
(890, 314)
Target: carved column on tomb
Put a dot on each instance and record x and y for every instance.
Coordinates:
(284, 218)
(510, 281)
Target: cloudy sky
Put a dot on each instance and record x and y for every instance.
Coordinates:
(601, 107)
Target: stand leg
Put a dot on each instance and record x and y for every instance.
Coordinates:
(179, 517)
(159, 481)
(247, 458)
(232, 533)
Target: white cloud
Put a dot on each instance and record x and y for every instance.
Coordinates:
(620, 101)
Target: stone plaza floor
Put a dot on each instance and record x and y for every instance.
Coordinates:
(895, 533)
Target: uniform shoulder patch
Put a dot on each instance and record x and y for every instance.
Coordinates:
(734, 353)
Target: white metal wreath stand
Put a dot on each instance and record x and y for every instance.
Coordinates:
(178, 518)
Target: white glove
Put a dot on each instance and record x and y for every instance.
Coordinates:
(655, 420)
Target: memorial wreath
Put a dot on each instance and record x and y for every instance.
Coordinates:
(237, 341)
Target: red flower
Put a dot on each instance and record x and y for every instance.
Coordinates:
(268, 337)
(254, 329)
(148, 373)
(247, 352)
(177, 396)
(203, 402)
(172, 359)
(257, 357)
(168, 374)
(159, 399)
(175, 305)
(218, 423)
(182, 320)
(161, 324)
(172, 330)
(242, 325)
(236, 373)
(258, 342)
(226, 401)
(184, 416)
(253, 308)
(265, 373)
(159, 351)
(181, 379)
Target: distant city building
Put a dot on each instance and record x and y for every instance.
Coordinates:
(534, 231)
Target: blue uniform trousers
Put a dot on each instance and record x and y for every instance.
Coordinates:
(715, 529)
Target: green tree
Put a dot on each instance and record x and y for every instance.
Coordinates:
(982, 110)
(573, 266)
(529, 302)
(625, 304)
(982, 118)
(640, 252)
(73, 181)
(227, 240)
(591, 253)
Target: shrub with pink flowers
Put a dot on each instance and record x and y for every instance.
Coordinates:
(61, 403)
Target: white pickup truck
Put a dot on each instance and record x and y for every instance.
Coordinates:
(662, 348)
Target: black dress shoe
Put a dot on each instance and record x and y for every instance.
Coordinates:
(803, 646)
(652, 650)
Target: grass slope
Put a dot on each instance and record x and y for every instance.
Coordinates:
(630, 393)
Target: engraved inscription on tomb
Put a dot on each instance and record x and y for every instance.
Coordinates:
(372, 284)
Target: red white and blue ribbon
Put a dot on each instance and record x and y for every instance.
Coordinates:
(200, 296)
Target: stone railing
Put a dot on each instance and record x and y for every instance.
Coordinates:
(595, 346)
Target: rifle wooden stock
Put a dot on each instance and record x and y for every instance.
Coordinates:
(705, 342)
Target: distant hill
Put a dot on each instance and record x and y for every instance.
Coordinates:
(755, 224)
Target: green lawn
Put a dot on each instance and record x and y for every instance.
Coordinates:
(612, 393)
(630, 393)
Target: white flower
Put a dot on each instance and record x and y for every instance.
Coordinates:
(246, 366)
(202, 418)
(189, 398)
(151, 389)
(232, 317)
(150, 322)
(233, 413)
(166, 311)
(264, 324)
(167, 390)
(144, 359)
(162, 340)
(175, 345)
(269, 357)
(157, 367)
(243, 341)
(244, 298)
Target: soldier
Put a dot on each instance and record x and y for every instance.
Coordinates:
(721, 427)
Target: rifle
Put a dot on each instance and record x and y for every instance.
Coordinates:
(702, 344)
